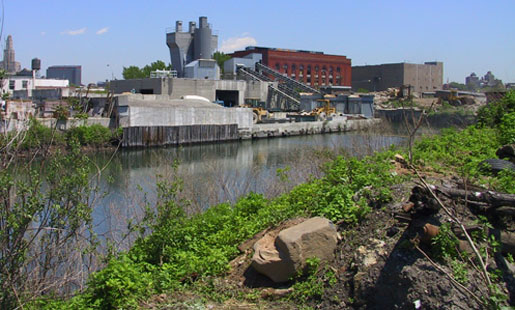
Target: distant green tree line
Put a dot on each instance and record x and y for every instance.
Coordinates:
(135, 72)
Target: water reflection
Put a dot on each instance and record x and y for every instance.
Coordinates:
(214, 173)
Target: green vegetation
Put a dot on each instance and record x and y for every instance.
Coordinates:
(220, 58)
(42, 216)
(458, 86)
(39, 135)
(175, 250)
(311, 282)
(135, 72)
(491, 114)
(182, 248)
(90, 135)
(507, 128)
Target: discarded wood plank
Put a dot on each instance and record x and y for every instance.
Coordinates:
(495, 199)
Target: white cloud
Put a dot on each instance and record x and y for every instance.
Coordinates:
(75, 32)
(103, 30)
(237, 43)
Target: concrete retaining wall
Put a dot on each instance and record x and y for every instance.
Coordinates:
(306, 128)
(184, 116)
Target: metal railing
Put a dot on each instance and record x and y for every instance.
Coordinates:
(291, 83)
(292, 103)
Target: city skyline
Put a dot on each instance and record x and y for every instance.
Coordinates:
(104, 37)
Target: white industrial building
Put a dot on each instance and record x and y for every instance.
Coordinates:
(22, 86)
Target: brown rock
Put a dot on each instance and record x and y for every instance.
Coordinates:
(267, 260)
(408, 206)
(430, 231)
(283, 257)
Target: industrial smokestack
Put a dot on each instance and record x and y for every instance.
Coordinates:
(193, 26)
(203, 22)
(178, 26)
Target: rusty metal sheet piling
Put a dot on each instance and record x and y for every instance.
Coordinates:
(175, 135)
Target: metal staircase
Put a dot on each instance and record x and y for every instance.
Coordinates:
(281, 97)
(285, 80)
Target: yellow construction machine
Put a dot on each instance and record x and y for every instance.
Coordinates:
(323, 111)
(258, 114)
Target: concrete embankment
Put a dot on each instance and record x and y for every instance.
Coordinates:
(307, 128)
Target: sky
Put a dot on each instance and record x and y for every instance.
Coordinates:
(105, 36)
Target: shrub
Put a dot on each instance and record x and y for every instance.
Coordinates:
(39, 135)
(61, 112)
(491, 114)
(88, 135)
(507, 128)
(120, 285)
(461, 151)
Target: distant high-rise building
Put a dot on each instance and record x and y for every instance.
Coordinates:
(9, 63)
(196, 43)
(472, 81)
(70, 73)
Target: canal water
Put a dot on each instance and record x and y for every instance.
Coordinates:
(215, 173)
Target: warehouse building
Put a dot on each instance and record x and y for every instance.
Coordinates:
(311, 68)
(425, 77)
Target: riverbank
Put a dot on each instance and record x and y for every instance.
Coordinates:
(198, 256)
(41, 140)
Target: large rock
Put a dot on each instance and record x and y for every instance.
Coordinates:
(282, 257)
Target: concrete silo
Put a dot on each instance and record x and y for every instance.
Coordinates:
(196, 43)
(202, 40)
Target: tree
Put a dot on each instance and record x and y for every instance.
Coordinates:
(220, 58)
(156, 65)
(134, 72)
(458, 86)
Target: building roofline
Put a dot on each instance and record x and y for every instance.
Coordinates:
(262, 48)
(65, 66)
(402, 63)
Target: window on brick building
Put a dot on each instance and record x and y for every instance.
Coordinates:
(309, 69)
(285, 67)
(338, 69)
(301, 69)
(277, 66)
(316, 68)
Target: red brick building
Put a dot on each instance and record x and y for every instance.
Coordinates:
(312, 68)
